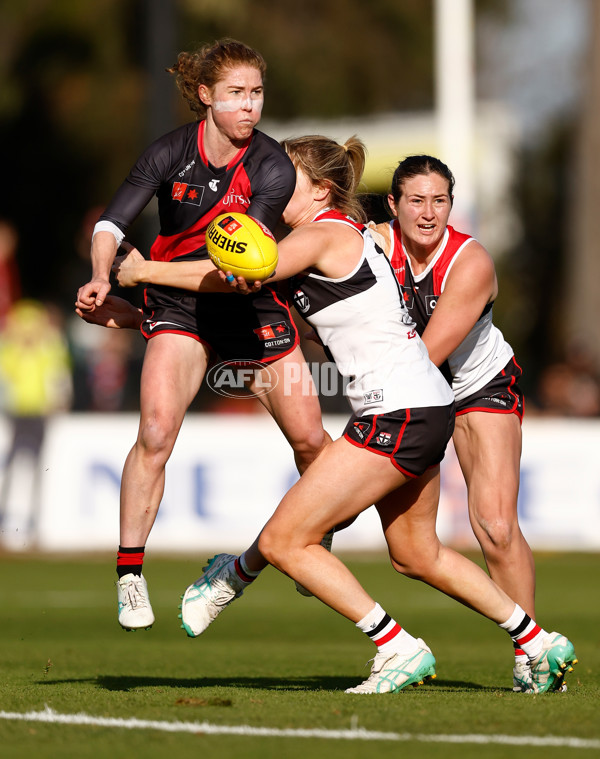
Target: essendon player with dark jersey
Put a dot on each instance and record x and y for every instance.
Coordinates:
(191, 192)
(217, 164)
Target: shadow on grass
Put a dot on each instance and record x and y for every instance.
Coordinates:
(126, 683)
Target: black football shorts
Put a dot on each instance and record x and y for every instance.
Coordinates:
(257, 327)
(414, 439)
(501, 395)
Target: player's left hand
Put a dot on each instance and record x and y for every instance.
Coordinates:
(127, 268)
(240, 284)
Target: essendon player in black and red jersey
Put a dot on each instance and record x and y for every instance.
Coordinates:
(449, 286)
(216, 164)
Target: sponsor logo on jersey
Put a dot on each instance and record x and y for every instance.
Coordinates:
(373, 396)
(495, 399)
(272, 331)
(186, 169)
(301, 301)
(361, 429)
(187, 193)
(430, 303)
(235, 199)
(384, 438)
(214, 184)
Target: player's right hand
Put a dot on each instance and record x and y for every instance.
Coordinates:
(92, 294)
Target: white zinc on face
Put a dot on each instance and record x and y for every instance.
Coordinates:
(239, 101)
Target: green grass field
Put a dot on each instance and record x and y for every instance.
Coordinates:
(277, 660)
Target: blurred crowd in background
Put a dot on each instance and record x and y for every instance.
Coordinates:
(83, 89)
(51, 361)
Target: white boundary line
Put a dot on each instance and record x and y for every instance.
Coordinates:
(49, 715)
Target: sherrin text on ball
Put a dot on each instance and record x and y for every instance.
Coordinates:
(242, 245)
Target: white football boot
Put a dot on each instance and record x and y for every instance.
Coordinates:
(205, 599)
(391, 673)
(135, 611)
(555, 660)
(522, 681)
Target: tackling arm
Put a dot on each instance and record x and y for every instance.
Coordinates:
(470, 286)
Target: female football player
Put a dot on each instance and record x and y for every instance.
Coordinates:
(449, 286)
(217, 163)
(389, 454)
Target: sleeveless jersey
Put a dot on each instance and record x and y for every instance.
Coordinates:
(483, 352)
(259, 181)
(365, 327)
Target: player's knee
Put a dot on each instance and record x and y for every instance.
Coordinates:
(309, 443)
(270, 547)
(496, 534)
(410, 567)
(419, 561)
(157, 437)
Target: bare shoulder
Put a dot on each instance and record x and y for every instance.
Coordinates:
(474, 261)
(473, 273)
(381, 233)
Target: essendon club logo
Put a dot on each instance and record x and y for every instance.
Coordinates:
(187, 193)
(362, 429)
(229, 225)
(271, 331)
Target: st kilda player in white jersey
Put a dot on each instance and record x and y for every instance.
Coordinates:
(365, 327)
(484, 353)
(449, 285)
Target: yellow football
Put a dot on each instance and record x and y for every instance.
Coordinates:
(242, 245)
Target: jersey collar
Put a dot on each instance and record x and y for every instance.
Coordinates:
(236, 158)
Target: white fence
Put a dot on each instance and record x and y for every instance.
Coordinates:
(228, 473)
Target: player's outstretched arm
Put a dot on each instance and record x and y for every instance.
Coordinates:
(199, 276)
(304, 248)
(114, 312)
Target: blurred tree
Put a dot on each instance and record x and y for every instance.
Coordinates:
(531, 272)
(75, 80)
(320, 54)
(583, 273)
(73, 99)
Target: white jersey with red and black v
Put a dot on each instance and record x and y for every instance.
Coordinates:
(362, 322)
(258, 180)
(484, 352)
